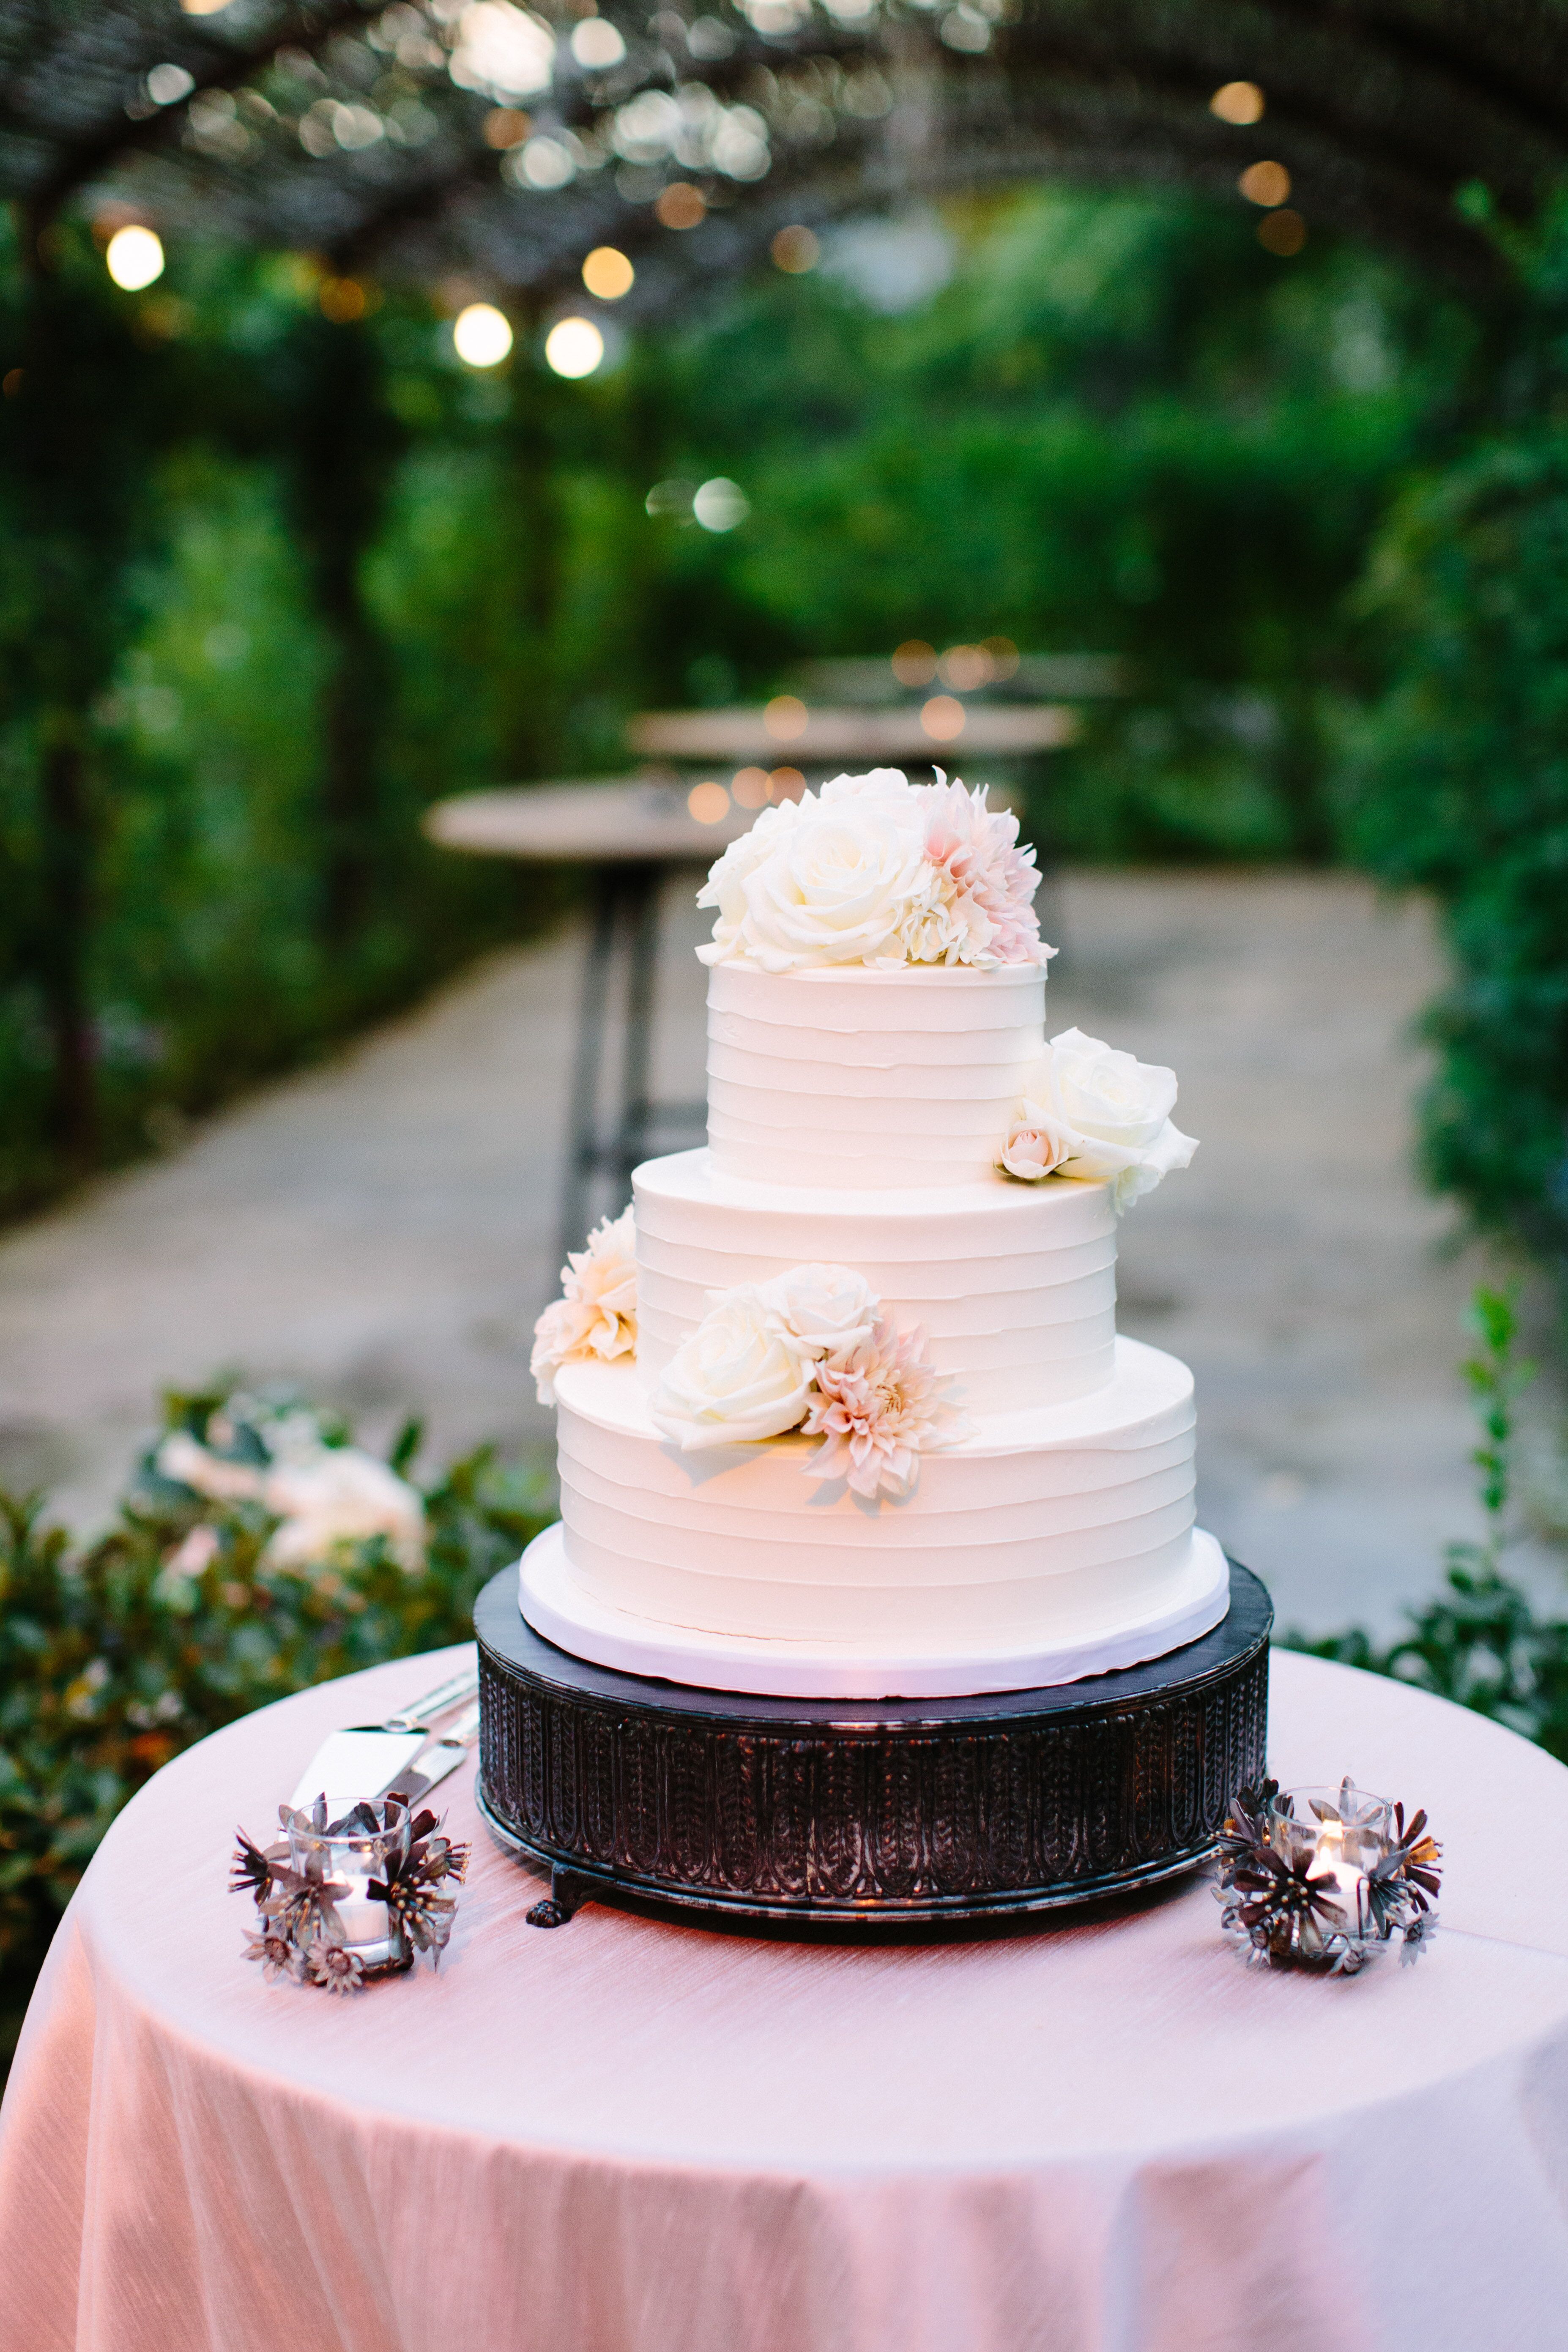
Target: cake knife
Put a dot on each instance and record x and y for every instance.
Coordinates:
(366, 1759)
(442, 1756)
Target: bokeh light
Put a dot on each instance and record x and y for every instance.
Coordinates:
(1284, 232)
(134, 257)
(1237, 101)
(965, 668)
(507, 126)
(796, 250)
(750, 787)
(709, 803)
(1265, 184)
(915, 664)
(574, 347)
(786, 717)
(342, 301)
(1004, 655)
(606, 273)
(596, 43)
(720, 504)
(785, 785)
(681, 206)
(167, 85)
(481, 335)
(943, 719)
(671, 501)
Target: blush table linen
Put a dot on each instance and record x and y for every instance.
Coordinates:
(1107, 2136)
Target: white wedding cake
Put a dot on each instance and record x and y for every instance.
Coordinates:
(842, 1411)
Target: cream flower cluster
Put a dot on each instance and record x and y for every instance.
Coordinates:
(876, 870)
(1091, 1112)
(322, 1496)
(598, 1312)
(811, 1350)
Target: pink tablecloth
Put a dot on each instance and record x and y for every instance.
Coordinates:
(628, 2137)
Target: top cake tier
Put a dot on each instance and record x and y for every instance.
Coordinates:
(867, 1080)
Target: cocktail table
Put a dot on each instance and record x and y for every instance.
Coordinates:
(637, 2136)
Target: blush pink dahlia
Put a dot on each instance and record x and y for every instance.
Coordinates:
(976, 848)
(877, 1407)
(598, 1314)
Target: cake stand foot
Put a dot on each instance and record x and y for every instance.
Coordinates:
(567, 1894)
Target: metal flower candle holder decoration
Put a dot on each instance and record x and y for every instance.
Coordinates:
(345, 1901)
(1325, 1878)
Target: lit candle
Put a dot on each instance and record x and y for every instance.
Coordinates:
(1332, 1861)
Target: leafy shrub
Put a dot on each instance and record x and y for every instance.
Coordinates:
(115, 1656)
(1480, 1641)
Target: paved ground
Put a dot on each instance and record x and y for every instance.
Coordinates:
(380, 1230)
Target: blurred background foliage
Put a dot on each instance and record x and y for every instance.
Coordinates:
(117, 1654)
(302, 574)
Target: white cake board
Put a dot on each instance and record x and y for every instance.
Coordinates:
(559, 1608)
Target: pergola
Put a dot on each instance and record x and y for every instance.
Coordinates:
(478, 143)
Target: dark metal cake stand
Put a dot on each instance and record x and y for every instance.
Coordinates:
(862, 1819)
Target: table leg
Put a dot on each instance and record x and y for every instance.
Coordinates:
(583, 1142)
(630, 1143)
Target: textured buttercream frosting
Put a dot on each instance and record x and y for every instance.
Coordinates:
(870, 1080)
(855, 1117)
(1014, 1284)
(1064, 1516)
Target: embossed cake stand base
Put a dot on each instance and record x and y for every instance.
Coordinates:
(862, 1819)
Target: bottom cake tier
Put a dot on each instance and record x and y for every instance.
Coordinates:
(1051, 1544)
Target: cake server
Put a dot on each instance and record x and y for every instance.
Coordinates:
(366, 1758)
(442, 1756)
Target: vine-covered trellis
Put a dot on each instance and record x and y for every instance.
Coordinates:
(477, 139)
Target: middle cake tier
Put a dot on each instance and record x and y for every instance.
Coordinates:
(1016, 1285)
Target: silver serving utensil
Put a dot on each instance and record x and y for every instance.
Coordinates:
(366, 1759)
(442, 1756)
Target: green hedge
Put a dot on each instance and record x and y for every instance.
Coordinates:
(114, 1658)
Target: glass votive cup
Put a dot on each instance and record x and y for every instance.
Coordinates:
(1341, 1834)
(349, 1860)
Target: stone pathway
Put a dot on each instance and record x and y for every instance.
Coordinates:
(379, 1230)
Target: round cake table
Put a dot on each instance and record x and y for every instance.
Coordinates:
(627, 2137)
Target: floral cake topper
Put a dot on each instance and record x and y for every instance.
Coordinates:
(1091, 1112)
(810, 1350)
(875, 870)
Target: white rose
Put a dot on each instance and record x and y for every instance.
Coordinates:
(342, 1496)
(889, 786)
(188, 1462)
(727, 874)
(835, 888)
(733, 1381)
(1111, 1112)
(821, 1311)
(1109, 1095)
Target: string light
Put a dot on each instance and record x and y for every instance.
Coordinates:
(1265, 184)
(943, 719)
(481, 335)
(574, 347)
(796, 249)
(134, 257)
(606, 272)
(709, 803)
(1237, 101)
(915, 664)
(681, 206)
(720, 504)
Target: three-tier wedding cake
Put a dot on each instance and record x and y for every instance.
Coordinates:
(843, 1410)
